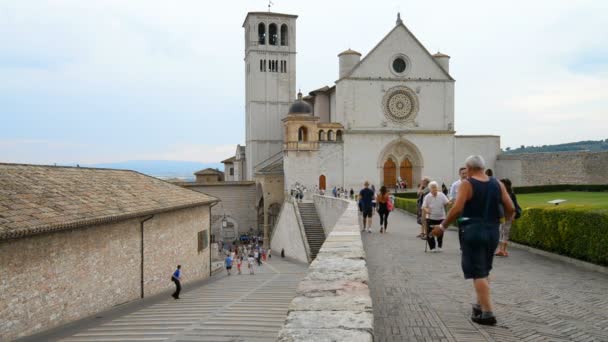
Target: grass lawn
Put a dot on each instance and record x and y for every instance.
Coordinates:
(574, 200)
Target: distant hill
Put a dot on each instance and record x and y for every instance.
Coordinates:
(162, 168)
(589, 145)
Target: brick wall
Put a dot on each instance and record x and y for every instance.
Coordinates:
(55, 278)
(554, 168)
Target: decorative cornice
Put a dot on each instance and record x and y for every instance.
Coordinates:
(393, 79)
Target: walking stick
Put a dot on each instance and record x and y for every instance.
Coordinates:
(426, 234)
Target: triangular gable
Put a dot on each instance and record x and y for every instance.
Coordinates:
(399, 40)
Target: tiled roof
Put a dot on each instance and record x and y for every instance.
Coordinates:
(209, 171)
(36, 199)
(229, 160)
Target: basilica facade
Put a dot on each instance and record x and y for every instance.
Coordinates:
(388, 116)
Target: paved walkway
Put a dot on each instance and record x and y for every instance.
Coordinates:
(424, 297)
(228, 308)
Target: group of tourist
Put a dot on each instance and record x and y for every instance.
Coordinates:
(370, 201)
(251, 254)
(484, 209)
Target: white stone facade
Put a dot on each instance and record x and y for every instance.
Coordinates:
(405, 115)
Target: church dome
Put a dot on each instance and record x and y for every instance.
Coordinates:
(300, 107)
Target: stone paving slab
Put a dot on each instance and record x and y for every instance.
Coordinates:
(421, 296)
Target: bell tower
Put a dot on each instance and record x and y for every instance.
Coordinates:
(270, 82)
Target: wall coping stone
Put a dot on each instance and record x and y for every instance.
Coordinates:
(333, 302)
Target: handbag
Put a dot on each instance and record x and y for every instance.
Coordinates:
(389, 204)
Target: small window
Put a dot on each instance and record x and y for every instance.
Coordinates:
(203, 240)
(232, 171)
(302, 134)
(284, 37)
(261, 65)
(261, 34)
(399, 65)
(264, 65)
(274, 37)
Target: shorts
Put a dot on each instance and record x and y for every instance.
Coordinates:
(228, 267)
(479, 242)
(367, 212)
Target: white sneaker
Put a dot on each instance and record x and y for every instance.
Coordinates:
(369, 230)
(433, 250)
(439, 250)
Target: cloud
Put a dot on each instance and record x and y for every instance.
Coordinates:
(204, 153)
(123, 80)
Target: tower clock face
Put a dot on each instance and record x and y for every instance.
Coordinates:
(400, 105)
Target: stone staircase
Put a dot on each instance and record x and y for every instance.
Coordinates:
(313, 227)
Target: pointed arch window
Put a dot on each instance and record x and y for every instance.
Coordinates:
(284, 36)
(261, 34)
(273, 34)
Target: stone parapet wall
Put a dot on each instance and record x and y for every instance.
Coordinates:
(554, 168)
(333, 302)
(329, 209)
(288, 234)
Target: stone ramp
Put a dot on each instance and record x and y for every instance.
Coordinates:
(230, 308)
(312, 226)
(424, 297)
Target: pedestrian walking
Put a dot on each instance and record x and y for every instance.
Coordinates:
(269, 254)
(250, 262)
(239, 262)
(433, 206)
(383, 210)
(176, 277)
(367, 197)
(257, 256)
(462, 173)
(505, 228)
(228, 263)
(423, 190)
(479, 200)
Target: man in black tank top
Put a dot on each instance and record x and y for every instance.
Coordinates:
(481, 200)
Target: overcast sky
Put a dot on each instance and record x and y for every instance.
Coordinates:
(113, 80)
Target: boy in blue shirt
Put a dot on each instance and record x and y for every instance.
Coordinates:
(176, 278)
(228, 263)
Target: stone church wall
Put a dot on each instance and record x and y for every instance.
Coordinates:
(305, 167)
(488, 146)
(288, 235)
(238, 200)
(52, 279)
(554, 168)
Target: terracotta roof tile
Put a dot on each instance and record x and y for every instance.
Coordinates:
(36, 199)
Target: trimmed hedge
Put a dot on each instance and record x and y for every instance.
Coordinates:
(560, 187)
(575, 233)
(413, 195)
(580, 234)
(406, 204)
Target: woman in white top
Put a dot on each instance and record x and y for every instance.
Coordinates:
(433, 206)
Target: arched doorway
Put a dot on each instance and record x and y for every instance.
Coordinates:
(398, 151)
(390, 173)
(405, 172)
(322, 184)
